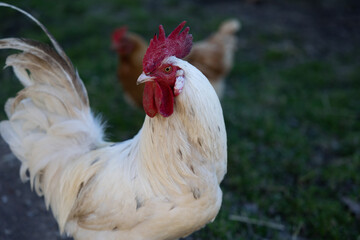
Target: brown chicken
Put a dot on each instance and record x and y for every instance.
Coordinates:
(212, 56)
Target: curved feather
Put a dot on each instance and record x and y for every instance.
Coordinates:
(66, 62)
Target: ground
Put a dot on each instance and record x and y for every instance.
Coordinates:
(291, 109)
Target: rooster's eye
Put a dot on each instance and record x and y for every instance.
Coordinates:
(168, 69)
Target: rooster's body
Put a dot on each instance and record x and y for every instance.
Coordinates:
(162, 184)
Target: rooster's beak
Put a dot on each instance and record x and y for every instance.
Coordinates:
(144, 78)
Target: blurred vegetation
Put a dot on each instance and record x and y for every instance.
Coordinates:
(292, 106)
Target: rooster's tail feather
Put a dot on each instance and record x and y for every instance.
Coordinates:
(50, 122)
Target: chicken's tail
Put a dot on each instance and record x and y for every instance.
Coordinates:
(50, 123)
(230, 26)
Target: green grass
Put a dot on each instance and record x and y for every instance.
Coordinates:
(292, 119)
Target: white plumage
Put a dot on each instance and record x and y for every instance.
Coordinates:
(162, 184)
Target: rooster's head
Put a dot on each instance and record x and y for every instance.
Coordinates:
(163, 79)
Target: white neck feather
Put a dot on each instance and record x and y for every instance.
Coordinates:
(188, 144)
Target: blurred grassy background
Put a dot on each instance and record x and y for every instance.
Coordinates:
(292, 104)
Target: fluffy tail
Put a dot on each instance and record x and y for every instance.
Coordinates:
(50, 123)
(230, 26)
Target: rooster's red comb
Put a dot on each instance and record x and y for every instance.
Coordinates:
(177, 44)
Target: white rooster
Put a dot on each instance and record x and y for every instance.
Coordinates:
(161, 184)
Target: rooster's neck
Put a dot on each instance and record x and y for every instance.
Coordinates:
(186, 145)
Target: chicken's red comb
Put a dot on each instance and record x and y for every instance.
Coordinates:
(118, 34)
(177, 44)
